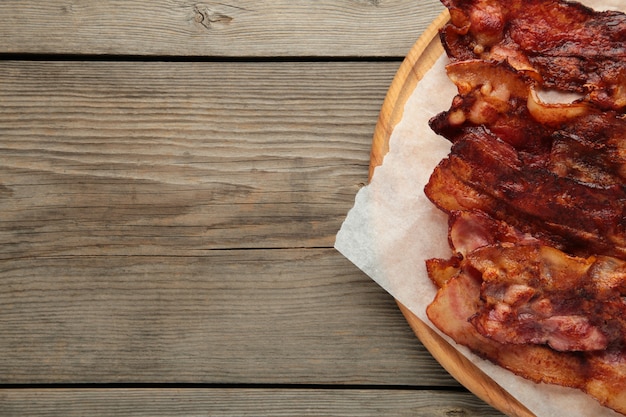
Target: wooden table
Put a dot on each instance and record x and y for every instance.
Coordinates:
(172, 178)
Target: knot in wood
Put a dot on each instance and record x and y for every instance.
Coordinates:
(210, 18)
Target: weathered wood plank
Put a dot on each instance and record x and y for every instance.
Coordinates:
(207, 28)
(180, 158)
(240, 402)
(232, 316)
(124, 187)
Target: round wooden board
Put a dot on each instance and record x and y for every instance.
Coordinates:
(419, 60)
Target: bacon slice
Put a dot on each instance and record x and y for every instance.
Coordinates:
(467, 231)
(458, 300)
(537, 294)
(471, 229)
(484, 173)
(565, 45)
(572, 139)
(601, 374)
(536, 192)
(493, 95)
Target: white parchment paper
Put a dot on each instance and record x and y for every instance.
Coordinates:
(393, 228)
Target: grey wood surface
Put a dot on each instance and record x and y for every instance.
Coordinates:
(240, 402)
(182, 158)
(231, 316)
(287, 28)
(168, 213)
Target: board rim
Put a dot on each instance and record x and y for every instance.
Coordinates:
(424, 53)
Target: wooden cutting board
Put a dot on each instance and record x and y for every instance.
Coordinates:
(419, 60)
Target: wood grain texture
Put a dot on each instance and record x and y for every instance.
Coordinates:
(240, 402)
(140, 201)
(181, 158)
(252, 316)
(207, 28)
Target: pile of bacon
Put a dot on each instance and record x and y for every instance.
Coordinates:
(536, 192)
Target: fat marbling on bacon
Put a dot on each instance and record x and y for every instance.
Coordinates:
(535, 192)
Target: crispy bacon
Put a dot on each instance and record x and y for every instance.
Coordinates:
(458, 300)
(536, 192)
(492, 95)
(571, 139)
(600, 373)
(483, 172)
(565, 45)
(537, 294)
(533, 293)
(469, 230)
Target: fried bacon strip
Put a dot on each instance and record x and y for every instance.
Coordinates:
(602, 374)
(537, 294)
(458, 300)
(485, 173)
(535, 192)
(572, 140)
(493, 95)
(472, 229)
(525, 278)
(503, 158)
(564, 45)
